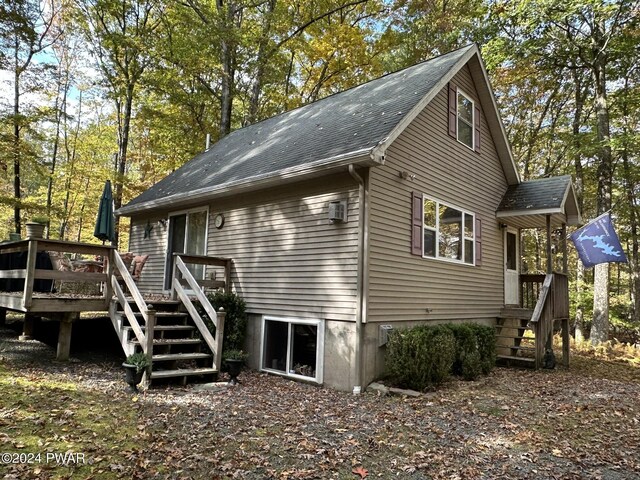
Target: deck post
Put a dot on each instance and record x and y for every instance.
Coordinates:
(28, 327)
(30, 273)
(549, 257)
(108, 289)
(148, 347)
(565, 260)
(64, 336)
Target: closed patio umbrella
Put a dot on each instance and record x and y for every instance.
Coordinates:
(105, 221)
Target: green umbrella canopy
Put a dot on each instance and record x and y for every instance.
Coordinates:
(105, 221)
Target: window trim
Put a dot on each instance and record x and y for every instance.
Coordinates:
(436, 229)
(472, 125)
(319, 323)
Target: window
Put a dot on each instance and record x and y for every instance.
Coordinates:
(448, 232)
(293, 347)
(465, 109)
(464, 118)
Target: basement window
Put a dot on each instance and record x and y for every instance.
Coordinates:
(293, 347)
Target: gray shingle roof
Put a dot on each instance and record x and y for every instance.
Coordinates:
(351, 121)
(541, 194)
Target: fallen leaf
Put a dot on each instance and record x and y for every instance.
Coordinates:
(360, 471)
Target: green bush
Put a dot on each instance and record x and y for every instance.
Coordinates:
(467, 362)
(235, 322)
(421, 356)
(486, 346)
(424, 356)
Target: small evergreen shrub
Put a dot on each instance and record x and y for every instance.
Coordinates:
(420, 357)
(467, 362)
(235, 322)
(425, 355)
(486, 338)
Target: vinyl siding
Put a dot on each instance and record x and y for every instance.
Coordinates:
(405, 287)
(151, 280)
(288, 260)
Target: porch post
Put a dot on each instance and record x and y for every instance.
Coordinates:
(565, 261)
(549, 258)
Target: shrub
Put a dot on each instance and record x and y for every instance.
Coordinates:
(421, 356)
(235, 322)
(486, 346)
(467, 362)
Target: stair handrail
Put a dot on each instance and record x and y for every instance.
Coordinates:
(121, 269)
(542, 318)
(215, 345)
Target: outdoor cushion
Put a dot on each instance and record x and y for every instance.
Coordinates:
(138, 265)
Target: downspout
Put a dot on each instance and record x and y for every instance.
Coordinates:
(361, 300)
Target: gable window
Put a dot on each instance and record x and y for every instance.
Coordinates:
(465, 119)
(448, 232)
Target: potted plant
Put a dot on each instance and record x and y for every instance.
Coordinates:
(134, 366)
(234, 360)
(35, 227)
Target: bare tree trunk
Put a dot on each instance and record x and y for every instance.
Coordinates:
(261, 61)
(600, 325)
(579, 185)
(123, 142)
(16, 143)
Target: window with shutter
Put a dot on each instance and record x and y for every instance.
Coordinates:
(442, 232)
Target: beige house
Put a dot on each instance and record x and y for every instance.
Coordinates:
(394, 203)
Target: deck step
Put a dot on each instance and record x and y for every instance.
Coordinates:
(172, 341)
(516, 361)
(161, 314)
(183, 372)
(180, 356)
(529, 349)
(167, 327)
(514, 312)
(516, 337)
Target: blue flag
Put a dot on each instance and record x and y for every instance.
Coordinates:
(597, 242)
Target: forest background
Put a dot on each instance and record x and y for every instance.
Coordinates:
(128, 91)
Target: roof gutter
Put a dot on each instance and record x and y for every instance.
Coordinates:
(364, 157)
(363, 276)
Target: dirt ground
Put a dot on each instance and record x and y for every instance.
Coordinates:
(578, 423)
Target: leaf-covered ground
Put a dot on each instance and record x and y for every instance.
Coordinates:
(580, 423)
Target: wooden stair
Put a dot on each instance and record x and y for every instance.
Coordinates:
(179, 353)
(517, 349)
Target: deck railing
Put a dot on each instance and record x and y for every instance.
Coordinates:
(30, 273)
(184, 286)
(552, 305)
(530, 288)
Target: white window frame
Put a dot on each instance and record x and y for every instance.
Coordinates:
(437, 232)
(459, 118)
(186, 212)
(319, 347)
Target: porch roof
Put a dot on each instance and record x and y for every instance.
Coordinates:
(527, 204)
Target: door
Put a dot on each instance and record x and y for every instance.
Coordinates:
(511, 267)
(187, 234)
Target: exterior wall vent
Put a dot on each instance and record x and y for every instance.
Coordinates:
(338, 211)
(383, 334)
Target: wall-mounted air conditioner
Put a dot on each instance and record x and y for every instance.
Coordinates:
(338, 211)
